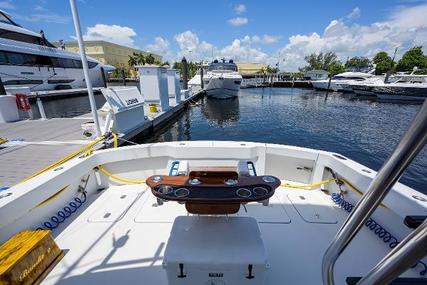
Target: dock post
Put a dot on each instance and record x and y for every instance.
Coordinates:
(2, 90)
(184, 73)
(123, 77)
(85, 66)
(201, 78)
(41, 108)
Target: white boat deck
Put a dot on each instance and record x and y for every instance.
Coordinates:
(121, 237)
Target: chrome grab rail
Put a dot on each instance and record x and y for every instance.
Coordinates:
(411, 143)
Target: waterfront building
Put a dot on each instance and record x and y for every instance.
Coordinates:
(109, 53)
(251, 68)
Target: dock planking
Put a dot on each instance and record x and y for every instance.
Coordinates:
(35, 144)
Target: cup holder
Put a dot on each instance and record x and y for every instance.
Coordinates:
(164, 189)
(231, 182)
(243, 192)
(182, 192)
(269, 179)
(260, 191)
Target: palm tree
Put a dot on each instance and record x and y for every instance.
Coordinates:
(150, 59)
(132, 61)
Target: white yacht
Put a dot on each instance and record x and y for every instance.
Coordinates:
(340, 81)
(399, 88)
(222, 81)
(29, 59)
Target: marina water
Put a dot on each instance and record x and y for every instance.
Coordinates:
(364, 131)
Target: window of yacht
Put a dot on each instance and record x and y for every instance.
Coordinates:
(10, 35)
(14, 58)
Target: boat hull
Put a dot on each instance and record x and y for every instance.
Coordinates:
(223, 88)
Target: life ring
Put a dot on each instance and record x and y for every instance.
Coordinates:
(22, 102)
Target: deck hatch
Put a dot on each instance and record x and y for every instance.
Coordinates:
(114, 207)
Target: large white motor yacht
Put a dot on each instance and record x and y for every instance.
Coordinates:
(222, 81)
(340, 82)
(400, 87)
(29, 59)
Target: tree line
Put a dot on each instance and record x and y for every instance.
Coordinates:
(383, 62)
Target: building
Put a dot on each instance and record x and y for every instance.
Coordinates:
(109, 53)
(251, 68)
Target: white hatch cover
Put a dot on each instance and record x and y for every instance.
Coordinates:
(313, 206)
(114, 207)
(273, 213)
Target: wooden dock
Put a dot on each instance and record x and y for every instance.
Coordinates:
(34, 144)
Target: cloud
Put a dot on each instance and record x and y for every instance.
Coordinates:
(238, 21)
(7, 5)
(239, 9)
(112, 33)
(39, 8)
(46, 18)
(191, 46)
(265, 39)
(161, 46)
(243, 53)
(404, 28)
(354, 14)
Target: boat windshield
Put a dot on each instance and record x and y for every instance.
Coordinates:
(222, 67)
(6, 20)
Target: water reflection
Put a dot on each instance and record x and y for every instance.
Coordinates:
(221, 112)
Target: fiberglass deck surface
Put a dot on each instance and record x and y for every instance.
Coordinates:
(121, 237)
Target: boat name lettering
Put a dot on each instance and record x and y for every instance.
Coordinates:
(131, 101)
(216, 274)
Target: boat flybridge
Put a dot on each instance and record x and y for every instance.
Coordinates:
(222, 80)
(29, 59)
(217, 212)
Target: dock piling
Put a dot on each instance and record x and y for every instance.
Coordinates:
(41, 108)
(2, 90)
(184, 73)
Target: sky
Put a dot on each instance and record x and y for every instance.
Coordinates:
(265, 31)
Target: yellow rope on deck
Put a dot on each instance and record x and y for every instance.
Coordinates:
(308, 186)
(3, 140)
(120, 179)
(65, 159)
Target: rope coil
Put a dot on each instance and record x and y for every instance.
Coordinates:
(375, 227)
(63, 214)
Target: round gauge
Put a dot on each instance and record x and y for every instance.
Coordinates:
(243, 192)
(182, 192)
(156, 179)
(195, 181)
(269, 179)
(260, 191)
(231, 182)
(164, 189)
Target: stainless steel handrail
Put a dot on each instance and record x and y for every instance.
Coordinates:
(410, 250)
(411, 143)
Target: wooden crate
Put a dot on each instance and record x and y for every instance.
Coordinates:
(27, 257)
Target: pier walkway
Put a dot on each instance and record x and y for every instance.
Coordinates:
(35, 144)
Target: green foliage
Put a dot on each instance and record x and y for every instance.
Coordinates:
(383, 62)
(336, 68)
(141, 59)
(411, 58)
(193, 67)
(358, 62)
(270, 70)
(321, 61)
